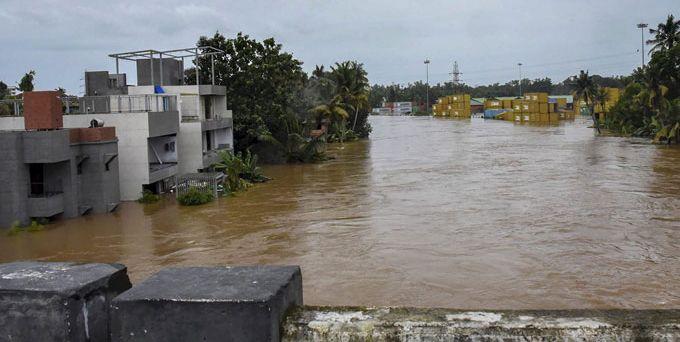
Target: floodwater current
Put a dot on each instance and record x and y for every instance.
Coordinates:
(428, 212)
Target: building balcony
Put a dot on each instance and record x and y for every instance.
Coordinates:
(216, 123)
(161, 171)
(46, 204)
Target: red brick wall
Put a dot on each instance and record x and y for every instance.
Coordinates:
(42, 110)
(92, 134)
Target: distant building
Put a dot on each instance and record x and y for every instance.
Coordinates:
(394, 108)
(47, 171)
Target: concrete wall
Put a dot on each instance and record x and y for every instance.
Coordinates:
(133, 159)
(99, 188)
(13, 180)
(70, 192)
(173, 71)
(43, 301)
(408, 324)
(191, 147)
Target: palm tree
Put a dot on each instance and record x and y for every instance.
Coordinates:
(666, 35)
(352, 85)
(332, 111)
(584, 90)
(601, 97)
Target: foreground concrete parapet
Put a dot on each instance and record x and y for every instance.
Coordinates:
(58, 301)
(403, 324)
(208, 304)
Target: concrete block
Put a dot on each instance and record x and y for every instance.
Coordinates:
(58, 301)
(42, 110)
(208, 304)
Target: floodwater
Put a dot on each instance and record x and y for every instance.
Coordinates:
(444, 213)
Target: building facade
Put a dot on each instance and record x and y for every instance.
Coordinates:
(47, 171)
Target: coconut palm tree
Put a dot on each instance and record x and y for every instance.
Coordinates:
(601, 97)
(333, 111)
(584, 89)
(352, 85)
(666, 35)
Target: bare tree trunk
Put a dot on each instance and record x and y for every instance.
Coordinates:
(356, 115)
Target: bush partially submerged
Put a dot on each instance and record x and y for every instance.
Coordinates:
(148, 197)
(195, 196)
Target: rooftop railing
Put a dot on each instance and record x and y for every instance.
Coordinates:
(101, 104)
(122, 104)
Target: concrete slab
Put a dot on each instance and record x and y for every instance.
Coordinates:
(58, 301)
(245, 303)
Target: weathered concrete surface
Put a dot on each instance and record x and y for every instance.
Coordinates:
(58, 301)
(208, 304)
(404, 324)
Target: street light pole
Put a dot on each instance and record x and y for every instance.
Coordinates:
(520, 78)
(427, 86)
(642, 27)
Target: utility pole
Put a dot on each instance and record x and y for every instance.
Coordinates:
(642, 27)
(455, 76)
(427, 85)
(520, 79)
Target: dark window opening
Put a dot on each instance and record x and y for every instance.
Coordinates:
(208, 107)
(208, 140)
(37, 178)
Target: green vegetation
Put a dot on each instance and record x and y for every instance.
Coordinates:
(148, 197)
(650, 104)
(416, 92)
(26, 83)
(251, 172)
(35, 226)
(274, 101)
(195, 196)
(585, 90)
(232, 166)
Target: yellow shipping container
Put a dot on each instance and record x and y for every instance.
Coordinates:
(507, 104)
(539, 97)
(543, 108)
(493, 104)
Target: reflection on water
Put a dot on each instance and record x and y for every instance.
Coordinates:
(467, 214)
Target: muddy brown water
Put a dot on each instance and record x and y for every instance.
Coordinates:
(444, 213)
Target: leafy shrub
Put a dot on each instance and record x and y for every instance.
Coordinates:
(195, 196)
(251, 172)
(148, 197)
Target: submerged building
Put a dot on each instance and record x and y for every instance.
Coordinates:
(48, 171)
(165, 127)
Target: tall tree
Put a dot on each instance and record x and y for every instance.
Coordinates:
(264, 85)
(666, 35)
(584, 90)
(26, 83)
(3, 90)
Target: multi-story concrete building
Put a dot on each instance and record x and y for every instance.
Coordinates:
(48, 171)
(165, 127)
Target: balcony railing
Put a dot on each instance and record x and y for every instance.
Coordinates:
(101, 104)
(123, 104)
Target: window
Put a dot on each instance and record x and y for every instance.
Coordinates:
(208, 107)
(208, 140)
(37, 178)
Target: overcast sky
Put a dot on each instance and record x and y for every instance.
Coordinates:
(61, 39)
